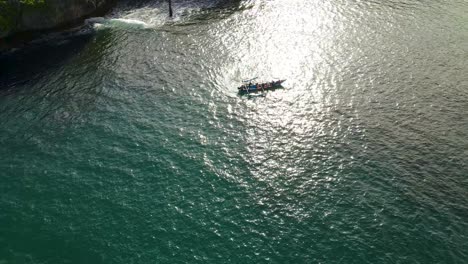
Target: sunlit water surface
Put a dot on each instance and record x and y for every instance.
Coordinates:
(126, 141)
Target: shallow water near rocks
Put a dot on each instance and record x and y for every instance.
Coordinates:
(126, 141)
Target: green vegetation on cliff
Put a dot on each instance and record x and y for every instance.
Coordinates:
(10, 13)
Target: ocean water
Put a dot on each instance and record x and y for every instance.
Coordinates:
(125, 141)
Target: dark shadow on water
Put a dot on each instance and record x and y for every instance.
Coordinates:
(29, 63)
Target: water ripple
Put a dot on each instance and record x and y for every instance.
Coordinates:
(127, 142)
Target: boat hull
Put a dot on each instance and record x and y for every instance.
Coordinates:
(260, 87)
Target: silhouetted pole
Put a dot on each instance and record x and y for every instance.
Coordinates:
(170, 8)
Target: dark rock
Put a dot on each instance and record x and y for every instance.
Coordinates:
(37, 15)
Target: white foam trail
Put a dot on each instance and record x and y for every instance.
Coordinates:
(101, 22)
(129, 22)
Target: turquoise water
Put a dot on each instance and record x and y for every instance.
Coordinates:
(126, 142)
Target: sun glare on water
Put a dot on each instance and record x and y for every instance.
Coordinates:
(283, 40)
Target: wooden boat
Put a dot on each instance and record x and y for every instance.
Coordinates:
(249, 87)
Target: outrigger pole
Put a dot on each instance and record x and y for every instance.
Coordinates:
(170, 8)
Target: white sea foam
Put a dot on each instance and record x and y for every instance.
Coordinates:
(101, 22)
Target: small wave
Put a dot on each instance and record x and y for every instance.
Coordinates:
(129, 22)
(100, 22)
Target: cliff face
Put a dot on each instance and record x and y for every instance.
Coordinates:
(29, 15)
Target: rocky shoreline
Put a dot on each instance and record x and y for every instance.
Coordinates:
(20, 17)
